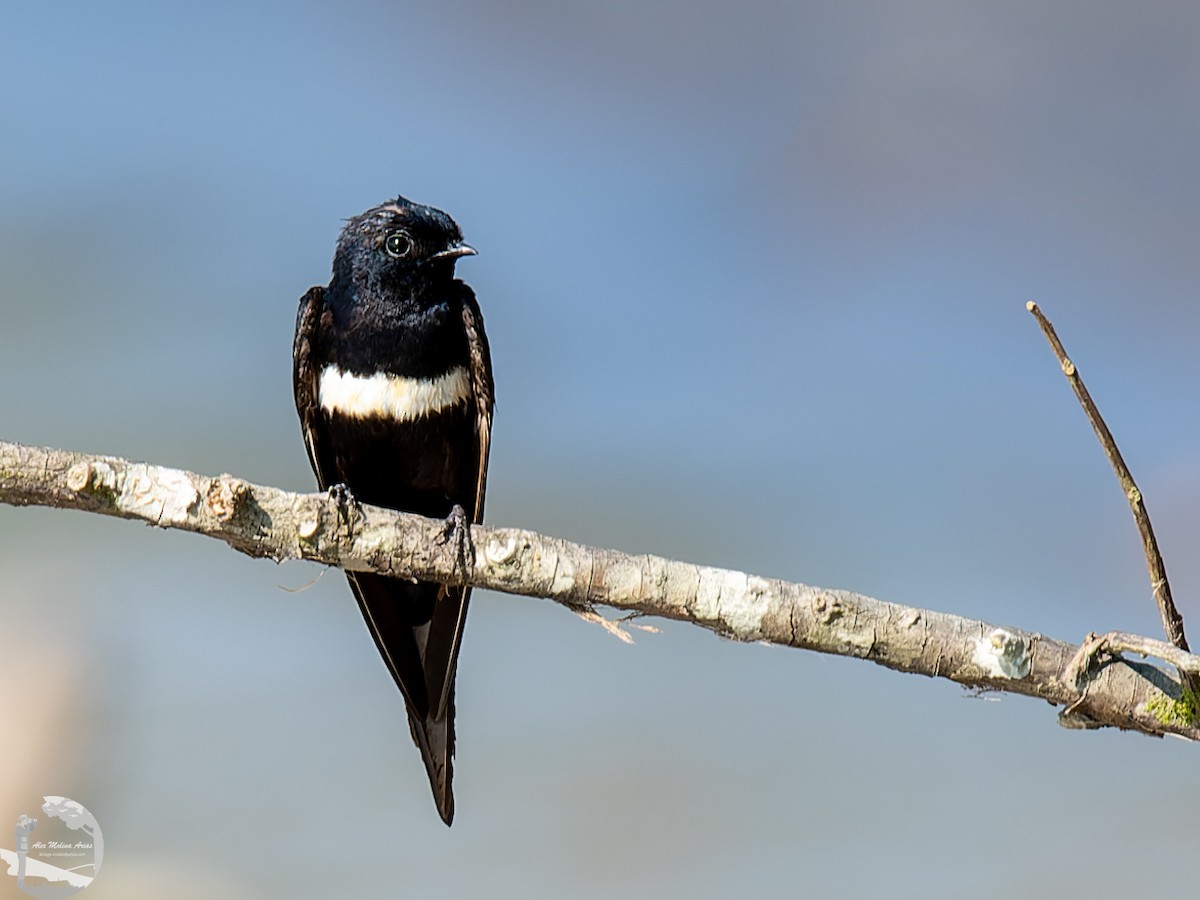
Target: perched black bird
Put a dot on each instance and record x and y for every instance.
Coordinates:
(394, 389)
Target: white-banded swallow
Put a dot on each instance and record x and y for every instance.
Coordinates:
(393, 383)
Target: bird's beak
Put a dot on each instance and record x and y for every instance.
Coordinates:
(455, 251)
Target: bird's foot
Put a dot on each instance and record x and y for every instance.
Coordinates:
(457, 529)
(349, 511)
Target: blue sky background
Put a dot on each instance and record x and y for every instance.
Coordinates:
(754, 276)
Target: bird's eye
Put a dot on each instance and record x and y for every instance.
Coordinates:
(398, 244)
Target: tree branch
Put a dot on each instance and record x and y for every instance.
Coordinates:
(267, 522)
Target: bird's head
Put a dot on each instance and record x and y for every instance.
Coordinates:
(399, 244)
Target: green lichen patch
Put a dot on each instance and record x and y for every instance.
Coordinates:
(1181, 712)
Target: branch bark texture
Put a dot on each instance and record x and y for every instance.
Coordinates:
(270, 523)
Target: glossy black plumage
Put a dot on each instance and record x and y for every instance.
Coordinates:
(394, 390)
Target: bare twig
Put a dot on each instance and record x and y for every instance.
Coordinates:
(1171, 619)
(1119, 642)
(267, 522)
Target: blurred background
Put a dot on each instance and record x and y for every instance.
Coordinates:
(754, 275)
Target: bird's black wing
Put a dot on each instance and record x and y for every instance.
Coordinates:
(305, 377)
(482, 387)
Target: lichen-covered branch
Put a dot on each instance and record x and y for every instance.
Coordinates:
(267, 522)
